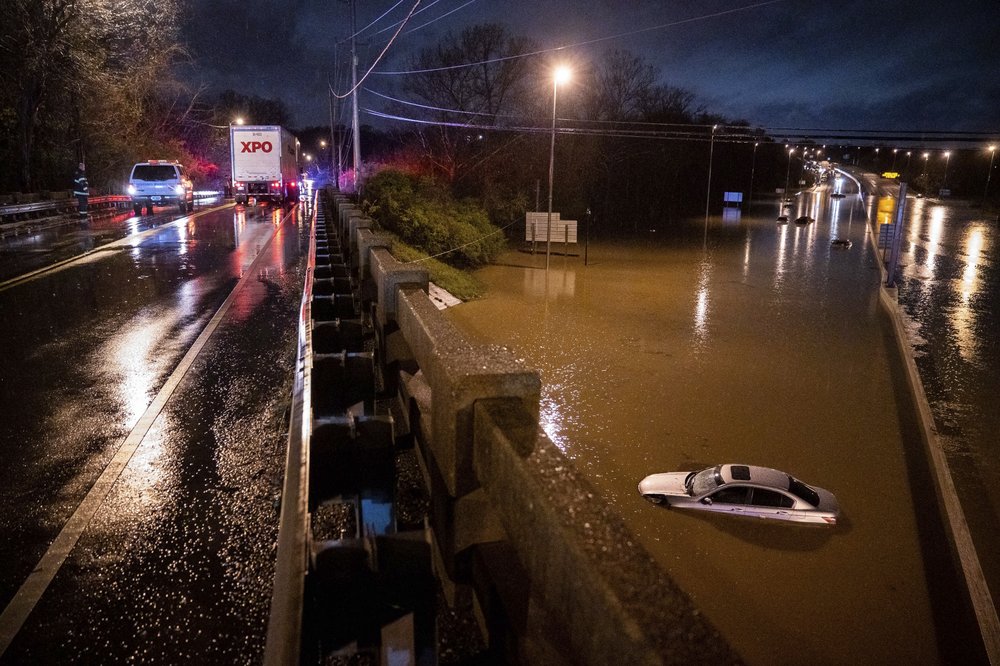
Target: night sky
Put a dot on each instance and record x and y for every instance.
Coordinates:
(853, 65)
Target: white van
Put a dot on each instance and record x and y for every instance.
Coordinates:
(160, 183)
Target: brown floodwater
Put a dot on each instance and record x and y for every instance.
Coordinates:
(740, 341)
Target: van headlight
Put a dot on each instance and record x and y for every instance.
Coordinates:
(179, 189)
(130, 189)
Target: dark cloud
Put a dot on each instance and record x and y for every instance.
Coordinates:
(868, 64)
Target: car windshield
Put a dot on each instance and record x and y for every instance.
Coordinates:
(800, 489)
(153, 172)
(704, 481)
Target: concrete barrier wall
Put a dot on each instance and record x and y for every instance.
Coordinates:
(552, 570)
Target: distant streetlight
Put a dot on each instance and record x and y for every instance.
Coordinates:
(989, 172)
(926, 156)
(788, 170)
(238, 120)
(561, 74)
(947, 161)
(753, 165)
(906, 169)
(894, 151)
(711, 152)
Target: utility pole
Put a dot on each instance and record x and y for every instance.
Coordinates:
(334, 139)
(354, 96)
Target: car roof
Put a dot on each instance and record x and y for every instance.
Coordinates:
(760, 476)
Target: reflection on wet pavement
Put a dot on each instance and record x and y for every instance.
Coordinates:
(950, 289)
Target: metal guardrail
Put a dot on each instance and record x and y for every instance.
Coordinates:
(12, 214)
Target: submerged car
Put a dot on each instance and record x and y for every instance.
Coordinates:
(782, 219)
(744, 490)
(805, 219)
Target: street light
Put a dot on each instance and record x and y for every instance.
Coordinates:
(788, 170)
(947, 160)
(239, 120)
(561, 74)
(894, 151)
(926, 155)
(906, 169)
(989, 172)
(711, 152)
(753, 165)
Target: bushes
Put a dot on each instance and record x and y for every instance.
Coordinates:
(425, 215)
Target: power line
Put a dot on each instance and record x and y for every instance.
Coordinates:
(380, 55)
(695, 133)
(597, 40)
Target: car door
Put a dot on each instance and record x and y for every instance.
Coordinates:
(767, 503)
(729, 499)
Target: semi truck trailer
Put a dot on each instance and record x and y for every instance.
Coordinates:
(265, 161)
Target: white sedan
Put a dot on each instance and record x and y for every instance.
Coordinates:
(744, 490)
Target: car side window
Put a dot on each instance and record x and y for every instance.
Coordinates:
(764, 497)
(731, 495)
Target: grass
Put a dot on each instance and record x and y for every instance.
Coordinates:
(459, 283)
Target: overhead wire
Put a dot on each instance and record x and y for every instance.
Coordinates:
(588, 42)
(380, 55)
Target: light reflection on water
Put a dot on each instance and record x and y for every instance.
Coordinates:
(762, 346)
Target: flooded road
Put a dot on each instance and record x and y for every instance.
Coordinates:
(747, 341)
(176, 560)
(950, 290)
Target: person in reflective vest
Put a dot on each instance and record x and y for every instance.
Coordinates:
(81, 189)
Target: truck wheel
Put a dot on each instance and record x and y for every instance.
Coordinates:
(182, 207)
(149, 209)
(137, 208)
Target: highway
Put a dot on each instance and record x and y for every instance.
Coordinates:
(143, 389)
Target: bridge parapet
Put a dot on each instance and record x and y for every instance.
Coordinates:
(517, 532)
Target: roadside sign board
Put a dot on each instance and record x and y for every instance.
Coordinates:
(536, 228)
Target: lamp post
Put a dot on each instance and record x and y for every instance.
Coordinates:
(947, 161)
(788, 170)
(711, 152)
(560, 75)
(894, 151)
(989, 172)
(906, 169)
(753, 165)
(926, 155)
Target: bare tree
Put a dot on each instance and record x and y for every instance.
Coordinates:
(81, 74)
(465, 96)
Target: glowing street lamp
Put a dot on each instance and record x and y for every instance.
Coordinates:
(926, 155)
(894, 151)
(561, 74)
(906, 169)
(993, 153)
(947, 160)
(238, 120)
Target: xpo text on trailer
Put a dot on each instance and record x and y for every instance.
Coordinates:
(265, 161)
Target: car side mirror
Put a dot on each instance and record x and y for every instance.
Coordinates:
(707, 501)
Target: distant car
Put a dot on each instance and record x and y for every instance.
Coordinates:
(838, 195)
(805, 219)
(782, 219)
(743, 490)
(160, 183)
(844, 243)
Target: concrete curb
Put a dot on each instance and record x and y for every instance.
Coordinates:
(944, 486)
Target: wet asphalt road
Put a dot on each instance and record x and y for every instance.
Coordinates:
(176, 563)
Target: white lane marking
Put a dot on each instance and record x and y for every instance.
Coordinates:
(30, 592)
